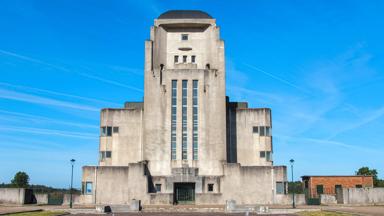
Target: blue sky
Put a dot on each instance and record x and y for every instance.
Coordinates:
(317, 64)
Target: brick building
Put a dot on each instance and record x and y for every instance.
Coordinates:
(316, 185)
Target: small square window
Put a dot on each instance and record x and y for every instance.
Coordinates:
(210, 187)
(193, 59)
(158, 187)
(185, 59)
(88, 188)
(184, 37)
(108, 154)
(256, 129)
(262, 154)
(115, 129)
(176, 58)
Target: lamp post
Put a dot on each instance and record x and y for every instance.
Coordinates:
(70, 201)
(293, 185)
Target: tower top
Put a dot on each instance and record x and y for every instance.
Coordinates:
(185, 14)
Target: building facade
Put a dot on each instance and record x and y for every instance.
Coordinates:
(314, 186)
(186, 142)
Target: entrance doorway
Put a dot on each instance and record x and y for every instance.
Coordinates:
(184, 193)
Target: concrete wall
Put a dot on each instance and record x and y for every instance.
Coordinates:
(250, 185)
(286, 199)
(115, 184)
(75, 199)
(41, 198)
(126, 145)
(363, 196)
(249, 144)
(328, 199)
(12, 195)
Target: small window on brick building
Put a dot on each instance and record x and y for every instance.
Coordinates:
(210, 187)
(158, 187)
(185, 59)
(115, 129)
(262, 154)
(193, 59)
(319, 189)
(184, 37)
(359, 186)
(176, 58)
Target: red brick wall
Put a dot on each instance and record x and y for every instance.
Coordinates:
(329, 183)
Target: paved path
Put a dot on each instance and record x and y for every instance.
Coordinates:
(359, 210)
(14, 209)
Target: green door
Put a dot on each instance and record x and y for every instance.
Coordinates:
(184, 193)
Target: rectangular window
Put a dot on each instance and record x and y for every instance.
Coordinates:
(115, 129)
(158, 187)
(262, 131)
(103, 131)
(195, 99)
(184, 37)
(268, 131)
(210, 187)
(185, 59)
(262, 154)
(268, 155)
(193, 59)
(176, 58)
(319, 189)
(173, 121)
(184, 143)
(359, 186)
(109, 131)
(256, 129)
(88, 187)
(280, 188)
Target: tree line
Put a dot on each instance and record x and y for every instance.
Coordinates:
(21, 180)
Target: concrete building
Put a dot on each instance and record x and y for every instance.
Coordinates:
(186, 142)
(314, 186)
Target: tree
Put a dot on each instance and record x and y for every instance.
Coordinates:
(366, 171)
(21, 180)
(296, 187)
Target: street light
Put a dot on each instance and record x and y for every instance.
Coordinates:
(293, 185)
(70, 201)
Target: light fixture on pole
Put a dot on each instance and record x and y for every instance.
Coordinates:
(71, 190)
(293, 184)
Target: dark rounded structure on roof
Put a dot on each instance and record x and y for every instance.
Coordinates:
(185, 14)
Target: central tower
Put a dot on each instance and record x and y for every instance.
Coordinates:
(184, 99)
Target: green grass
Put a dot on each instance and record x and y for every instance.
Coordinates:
(39, 213)
(322, 213)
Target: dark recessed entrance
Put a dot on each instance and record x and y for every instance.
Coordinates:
(184, 193)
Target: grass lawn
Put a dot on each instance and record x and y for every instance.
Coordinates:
(323, 213)
(39, 213)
